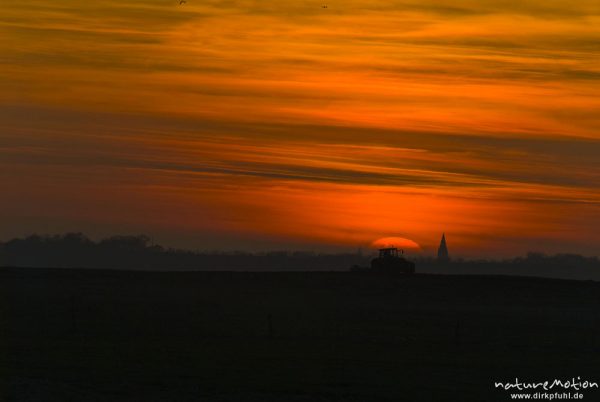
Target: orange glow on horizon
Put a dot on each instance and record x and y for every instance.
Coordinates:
(398, 242)
(285, 125)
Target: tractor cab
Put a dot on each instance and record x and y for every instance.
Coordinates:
(391, 260)
(390, 252)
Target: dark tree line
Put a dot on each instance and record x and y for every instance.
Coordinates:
(75, 250)
(566, 266)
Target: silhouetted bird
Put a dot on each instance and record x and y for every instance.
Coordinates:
(324, 6)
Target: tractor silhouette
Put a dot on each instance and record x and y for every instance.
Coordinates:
(391, 260)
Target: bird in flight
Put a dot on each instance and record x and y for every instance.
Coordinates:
(324, 6)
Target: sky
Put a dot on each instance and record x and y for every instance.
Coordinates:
(264, 125)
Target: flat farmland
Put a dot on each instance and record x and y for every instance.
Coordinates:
(103, 335)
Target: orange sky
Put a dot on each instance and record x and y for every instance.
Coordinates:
(266, 125)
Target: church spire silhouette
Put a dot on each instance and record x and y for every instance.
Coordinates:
(442, 254)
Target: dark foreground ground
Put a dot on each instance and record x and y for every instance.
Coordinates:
(85, 335)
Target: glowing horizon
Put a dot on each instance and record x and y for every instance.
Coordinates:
(265, 125)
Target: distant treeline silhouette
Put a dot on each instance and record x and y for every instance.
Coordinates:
(565, 266)
(75, 250)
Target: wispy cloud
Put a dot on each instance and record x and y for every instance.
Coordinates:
(485, 110)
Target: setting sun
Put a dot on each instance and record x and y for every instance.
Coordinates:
(398, 242)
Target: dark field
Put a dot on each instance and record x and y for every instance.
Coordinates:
(91, 335)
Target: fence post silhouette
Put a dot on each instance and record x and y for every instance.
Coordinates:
(270, 325)
(457, 333)
(73, 315)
